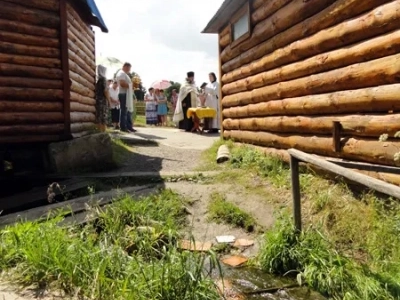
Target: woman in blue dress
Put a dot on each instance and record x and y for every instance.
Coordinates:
(162, 108)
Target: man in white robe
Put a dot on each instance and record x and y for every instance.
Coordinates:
(187, 98)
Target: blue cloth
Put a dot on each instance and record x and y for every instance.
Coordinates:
(95, 15)
(162, 109)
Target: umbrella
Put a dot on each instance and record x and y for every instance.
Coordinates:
(161, 84)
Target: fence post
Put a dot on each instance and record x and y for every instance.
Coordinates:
(294, 172)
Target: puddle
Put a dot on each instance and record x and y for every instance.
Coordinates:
(247, 279)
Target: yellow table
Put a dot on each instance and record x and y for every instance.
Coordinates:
(197, 113)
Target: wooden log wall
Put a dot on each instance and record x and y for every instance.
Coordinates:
(82, 73)
(31, 86)
(308, 64)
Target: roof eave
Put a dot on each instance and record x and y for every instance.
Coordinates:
(223, 15)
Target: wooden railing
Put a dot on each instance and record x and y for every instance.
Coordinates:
(297, 156)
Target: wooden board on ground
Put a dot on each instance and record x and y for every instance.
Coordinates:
(243, 243)
(40, 193)
(195, 246)
(73, 206)
(235, 261)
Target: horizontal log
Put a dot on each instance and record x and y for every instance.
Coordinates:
(378, 47)
(90, 69)
(30, 71)
(79, 107)
(264, 9)
(21, 82)
(225, 30)
(50, 5)
(261, 11)
(74, 67)
(31, 106)
(368, 74)
(30, 118)
(79, 117)
(31, 130)
(75, 32)
(79, 127)
(372, 151)
(30, 94)
(14, 26)
(81, 90)
(74, 18)
(298, 10)
(26, 39)
(284, 156)
(76, 77)
(17, 49)
(82, 99)
(30, 61)
(27, 139)
(89, 60)
(378, 99)
(15, 12)
(352, 125)
(378, 21)
(78, 42)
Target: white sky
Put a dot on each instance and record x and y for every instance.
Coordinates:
(160, 38)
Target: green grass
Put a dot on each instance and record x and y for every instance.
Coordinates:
(129, 252)
(120, 151)
(222, 211)
(351, 247)
(323, 268)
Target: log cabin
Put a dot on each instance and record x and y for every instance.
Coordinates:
(322, 76)
(47, 71)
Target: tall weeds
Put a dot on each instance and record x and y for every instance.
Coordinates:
(129, 252)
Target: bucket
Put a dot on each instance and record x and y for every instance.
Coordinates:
(223, 154)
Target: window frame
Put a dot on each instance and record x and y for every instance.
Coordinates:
(245, 9)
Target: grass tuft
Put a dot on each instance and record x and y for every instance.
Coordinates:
(222, 211)
(128, 252)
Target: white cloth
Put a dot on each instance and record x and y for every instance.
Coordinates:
(212, 91)
(129, 98)
(186, 88)
(114, 96)
(121, 75)
(101, 71)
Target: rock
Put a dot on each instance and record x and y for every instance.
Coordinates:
(243, 243)
(92, 152)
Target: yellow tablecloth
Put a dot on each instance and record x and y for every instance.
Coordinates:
(202, 112)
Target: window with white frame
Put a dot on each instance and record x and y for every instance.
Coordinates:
(240, 27)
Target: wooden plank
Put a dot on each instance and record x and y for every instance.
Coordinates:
(372, 183)
(65, 67)
(295, 177)
(74, 206)
(38, 194)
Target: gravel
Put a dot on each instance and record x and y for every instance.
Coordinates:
(161, 158)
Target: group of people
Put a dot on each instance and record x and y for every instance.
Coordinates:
(189, 96)
(156, 107)
(116, 96)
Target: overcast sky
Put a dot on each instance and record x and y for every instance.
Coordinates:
(161, 39)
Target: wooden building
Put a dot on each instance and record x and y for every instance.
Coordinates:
(47, 69)
(293, 72)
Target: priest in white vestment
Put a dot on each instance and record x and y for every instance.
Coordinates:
(212, 101)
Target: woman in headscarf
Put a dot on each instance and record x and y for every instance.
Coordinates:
(212, 95)
(103, 99)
